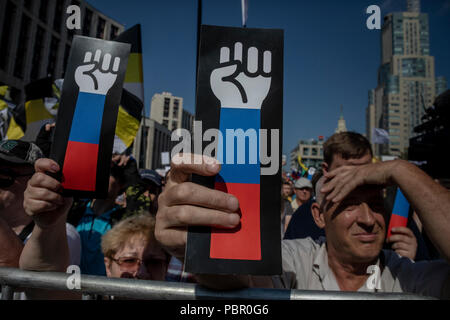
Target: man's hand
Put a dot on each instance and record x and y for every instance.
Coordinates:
(403, 242)
(184, 204)
(343, 180)
(42, 198)
(120, 160)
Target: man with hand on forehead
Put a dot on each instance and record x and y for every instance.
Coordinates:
(350, 210)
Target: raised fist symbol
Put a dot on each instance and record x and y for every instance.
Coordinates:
(237, 85)
(95, 77)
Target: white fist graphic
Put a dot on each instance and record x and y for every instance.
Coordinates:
(239, 86)
(93, 77)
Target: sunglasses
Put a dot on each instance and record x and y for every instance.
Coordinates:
(128, 263)
(8, 176)
(132, 263)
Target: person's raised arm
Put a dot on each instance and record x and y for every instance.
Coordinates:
(184, 204)
(47, 249)
(430, 200)
(10, 246)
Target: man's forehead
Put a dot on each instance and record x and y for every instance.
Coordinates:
(365, 193)
(339, 161)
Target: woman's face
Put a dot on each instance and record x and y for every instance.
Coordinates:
(138, 259)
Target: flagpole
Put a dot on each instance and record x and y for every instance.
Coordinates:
(199, 24)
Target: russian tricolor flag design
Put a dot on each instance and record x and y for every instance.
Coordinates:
(399, 217)
(80, 162)
(242, 181)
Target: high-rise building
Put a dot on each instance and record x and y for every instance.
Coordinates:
(342, 127)
(441, 85)
(406, 78)
(35, 42)
(370, 117)
(167, 110)
(187, 121)
(151, 140)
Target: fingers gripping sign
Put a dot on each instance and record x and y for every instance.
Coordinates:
(184, 204)
(43, 200)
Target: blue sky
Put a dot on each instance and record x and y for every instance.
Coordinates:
(331, 58)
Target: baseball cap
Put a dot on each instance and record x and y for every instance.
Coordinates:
(152, 176)
(19, 152)
(302, 183)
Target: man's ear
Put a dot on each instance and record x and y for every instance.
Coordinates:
(318, 216)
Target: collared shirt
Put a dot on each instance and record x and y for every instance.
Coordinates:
(305, 266)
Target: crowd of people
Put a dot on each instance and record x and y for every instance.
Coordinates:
(333, 226)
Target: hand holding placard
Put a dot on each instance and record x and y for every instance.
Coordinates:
(87, 115)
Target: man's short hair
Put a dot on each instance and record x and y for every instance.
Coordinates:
(349, 145)
(138, 225)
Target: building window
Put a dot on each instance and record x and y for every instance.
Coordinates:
(8, 23)
(38, 48)
(166, 107)
(52, 57)
(87, 22)
(314, 152)
(101, 28)
(28, 4)
(43, 10)
(22, 47)
(58, 16)
(114, 32)
(306, 151)
(174, 125)
(166, 123)
(66, 57)
(143, 151)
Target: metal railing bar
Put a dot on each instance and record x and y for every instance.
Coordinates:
(159, 290)
(7, 292)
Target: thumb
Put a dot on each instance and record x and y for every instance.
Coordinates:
(46, 165)
(218, 74)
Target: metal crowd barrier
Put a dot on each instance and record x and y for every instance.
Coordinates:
(11, 278)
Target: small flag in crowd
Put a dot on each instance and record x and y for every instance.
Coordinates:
(380, 136)
(400, 212)
(132, 103)
(311, 173)
(304, 168)
(10, 129)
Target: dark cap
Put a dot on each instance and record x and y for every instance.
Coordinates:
(19, 152)
(152, 176)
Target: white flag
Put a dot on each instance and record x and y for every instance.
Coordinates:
(244, 12)
(380, 136)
